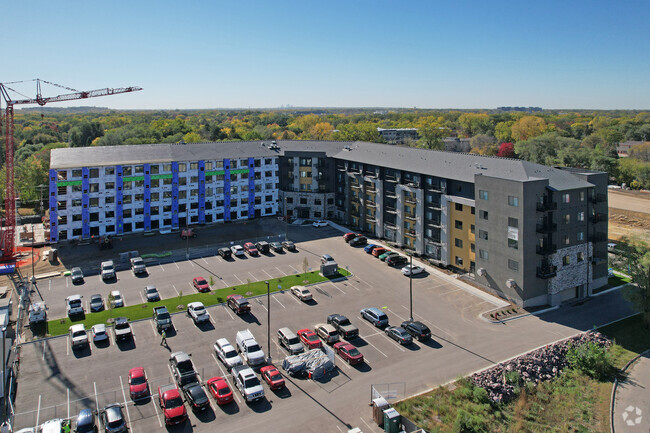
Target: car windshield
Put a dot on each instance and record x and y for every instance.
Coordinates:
(117, 297)
(275, 375)
(76, 272)
(199, 310)
(344, 321)
(201, 282)
(76, 303)
(99, 332)
(253, 348)
(78, 334)
(138, 380)
(108, 267)
(185, 367)
(151, 290)
(353, 352)
(223, 391)
(137, 261)
(230, 354)
(312, 337)
(163, 316)
(251, 382)
(95, 299)
(333, 332)
(174, 402)
(121, 325)
(294, 340)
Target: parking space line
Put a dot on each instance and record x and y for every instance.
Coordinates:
(226, 308)
(44, 351)
(153, 329)
(205, 261)
(126, 404)
(297, 271)
(400, 317)
(177, 267)
(262, 305)
(369, 426)
(339, 429)
(49, 285)
(156, 409)
(68, 389)
(280, 271)
(225, 376)
(96, 399)
(142, 297)
(38, 410)
(161, 267)
(337, 288)
(399, 346)
(238, 279)
(254, 277)
(67, 346)
(292, 296)
(176, 290)
(191, 262)
(377, 349)
(267, 273)
(278, 301)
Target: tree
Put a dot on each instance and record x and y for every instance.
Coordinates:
(85, 133)
(321, 131)
(507, 150)
(483, 144)
(528, 127)
(475, 123)
(431, 137)
(503, 131)
(641, 152)
(634, 258)
(192, 137)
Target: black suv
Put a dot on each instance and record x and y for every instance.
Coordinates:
(361, 240)
(224, 252)
(263, 247)
(417, 329)
(396, 260)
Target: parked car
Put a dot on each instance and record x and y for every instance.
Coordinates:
(96, 303)
(309, 338)
(342, 324)
(107, 269)
(74, 305)
(249, 247)
(117, 300)
(196, 397)
(262, 247)
(162, 318)
(227, 353)
(417, 329)
(289, 246)
(138, 266)
(386, 255)
(196, 310)
(368, 248)
(349, 236)
(412, 270)
(277, 247)
(272, 377)
(113, 419)
(76, 275)
(250, 350)
(151, 294)
(218, 387)
(188, 233)
(319, 223)
(171, 403)
(396, 260)
(375, 316)
(237, 250)
(378, 251)
(348, 352)
(78, 336)
(358, 241)
(98, 332)
(182, 368)
(224, 252)
(122, 329)
(138, 383)
(326, 258)
(301, 292)
(247, 383)
(327, 333)
(238, 304)
(290, 341)
(399, 334)
(200, 284)
(85, 422)
(37, 313)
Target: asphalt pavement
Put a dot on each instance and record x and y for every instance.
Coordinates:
(632, 403)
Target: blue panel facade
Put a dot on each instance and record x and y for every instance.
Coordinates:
(119, 194)
(54, 224)
(147, 197)
(251, 188)
(175, 195)
(85, 203)
(201, 192)
(226, 190)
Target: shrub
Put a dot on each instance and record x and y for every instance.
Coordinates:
(592, 359)
(466, 423)
(481, 395)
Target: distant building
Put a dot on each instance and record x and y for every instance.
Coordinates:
(398, 135)
(623, 149)
(525, 109)
(455, 144)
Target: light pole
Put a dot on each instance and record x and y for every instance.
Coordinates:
(4, 374)
(411, 285)
(268, 322)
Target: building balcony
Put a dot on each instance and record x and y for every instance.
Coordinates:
(390, 194)
(355, 186)
(411, 184)
(390, 209)
(546, 227)
(545, 249)
(371, 204)
(341, 168)
(598, 237)
(546, 272)
(598, 218)
(390, 179)
(409, 233)
(410, 216)
(546, 206)
(411, 200)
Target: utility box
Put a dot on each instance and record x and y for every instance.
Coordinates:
(329, 269)
(378, 406)
(54, 255)
(392, 421)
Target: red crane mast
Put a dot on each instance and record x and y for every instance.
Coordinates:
(9, 229)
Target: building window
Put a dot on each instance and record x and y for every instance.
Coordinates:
(513, 201)
(566, 260)
(483, 254)
(581, 257)
(513, 222)
(109, 171)
(458, 207)
(566, 240)
(472, 210)
(581, 216)
(472, 228)
(567, 218)
(582, 196)
(483, 195)
(514, 244)
(472, 247)
(581, 236)
(483, 235)
(458, 224)
(458, 243)
(513, 265)
(459, 261)
(566, 198)
(303, 201)
(483, 214)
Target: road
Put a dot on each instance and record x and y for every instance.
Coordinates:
(637, 201)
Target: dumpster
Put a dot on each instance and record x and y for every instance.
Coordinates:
(392, 421)
(378, 407)
(54, 255)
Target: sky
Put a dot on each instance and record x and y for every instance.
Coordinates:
(555, 54)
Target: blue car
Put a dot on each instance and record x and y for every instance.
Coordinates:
(368, 248)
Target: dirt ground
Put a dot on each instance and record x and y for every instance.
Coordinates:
(629, 214)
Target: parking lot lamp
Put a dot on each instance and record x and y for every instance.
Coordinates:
(268, 321)
(411, 285)
(4, 374)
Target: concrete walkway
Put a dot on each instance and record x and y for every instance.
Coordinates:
(632, 399)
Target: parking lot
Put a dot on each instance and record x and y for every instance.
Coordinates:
(54, 381)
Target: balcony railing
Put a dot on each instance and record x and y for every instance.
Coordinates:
(390, 179)
(546, 206)
(599, 198)
(355, 186)
(390, 209)
(545, 249)
(546, 272)
(410, 200)
(410, 216)
(409, 232)
(545, 227)
(390, 194)
(598, 218)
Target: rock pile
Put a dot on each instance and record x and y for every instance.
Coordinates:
(536, 366)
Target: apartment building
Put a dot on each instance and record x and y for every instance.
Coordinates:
(533, 234)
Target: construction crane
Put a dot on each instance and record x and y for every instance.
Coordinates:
(9, 229)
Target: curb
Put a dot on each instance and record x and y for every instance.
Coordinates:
(615, 387)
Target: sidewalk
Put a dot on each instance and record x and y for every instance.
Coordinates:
(632, 399)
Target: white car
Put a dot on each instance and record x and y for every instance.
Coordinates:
(302, 293)
(611, 246)
(327, 332)
(408, 270)
(74, 305)
(99, 332)
(227, 353)
(319, 223)
(198, 313)
(78, 336)
(117, 301)
(237, 250)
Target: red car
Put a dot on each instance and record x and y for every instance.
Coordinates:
(171, 404)
(272, 376)
(250, 249)
(138, 385)
(348, 352)
(309, 339)
(220, 390)
(349, 236)
(200, 284)
(378, 251)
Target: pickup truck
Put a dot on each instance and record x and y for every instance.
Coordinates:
(342, 324)
(182, 369)
(73, 305)
(138, 266)
(247, 383)
(238, 304)
(122, 329)
(107, 270)
(249, 349)
(162, 318)
(37, 313)
(171, 404)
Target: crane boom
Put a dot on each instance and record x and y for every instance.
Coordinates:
(77, 95)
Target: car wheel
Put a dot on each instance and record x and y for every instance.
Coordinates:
(348, 360)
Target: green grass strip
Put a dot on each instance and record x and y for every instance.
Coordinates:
(144, 311)
(617, 280)
(156, 255)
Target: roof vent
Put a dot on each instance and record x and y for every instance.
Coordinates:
(347, 147)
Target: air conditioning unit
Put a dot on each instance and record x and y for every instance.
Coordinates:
(481, 272)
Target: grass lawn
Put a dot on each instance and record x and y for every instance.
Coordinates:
(179, 303)
(617, 280)
(573, 402)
